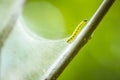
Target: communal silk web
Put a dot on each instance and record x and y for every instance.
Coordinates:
(29, 51)
(26, 55)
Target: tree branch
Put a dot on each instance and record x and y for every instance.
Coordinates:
(8, 27)
(79, 42)
(17, 7)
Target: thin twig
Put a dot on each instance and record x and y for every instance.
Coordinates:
(17, 6)
(79, 42)
(13, 18)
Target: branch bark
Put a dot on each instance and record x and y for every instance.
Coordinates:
(79, 42)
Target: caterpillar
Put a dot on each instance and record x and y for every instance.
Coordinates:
(76, 31)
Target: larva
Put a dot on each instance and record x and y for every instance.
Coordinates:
(76, 31)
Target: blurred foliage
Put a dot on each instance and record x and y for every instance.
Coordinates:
(56, 19)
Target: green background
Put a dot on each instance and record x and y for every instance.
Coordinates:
(57, 19)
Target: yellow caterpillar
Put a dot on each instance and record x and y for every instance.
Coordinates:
(76, 32)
